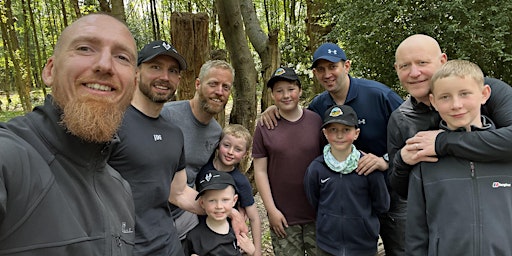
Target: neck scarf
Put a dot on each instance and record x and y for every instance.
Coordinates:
(345, 167)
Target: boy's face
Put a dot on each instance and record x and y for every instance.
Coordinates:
(218, 203)
(340, 136)
(231, 150)
(286, 95)
(458, 101)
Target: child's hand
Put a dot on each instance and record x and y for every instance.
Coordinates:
(245, 243)
(277, 222)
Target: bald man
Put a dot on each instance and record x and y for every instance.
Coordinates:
(58, 195)
(417, 58)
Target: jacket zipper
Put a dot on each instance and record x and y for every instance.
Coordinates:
(476, 234)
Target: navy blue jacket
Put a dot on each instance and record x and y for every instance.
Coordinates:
(347, 206)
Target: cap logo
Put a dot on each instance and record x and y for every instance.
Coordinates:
(208, 176)
(279, 72)
(166, 45)
(329, 51)
(335, 112)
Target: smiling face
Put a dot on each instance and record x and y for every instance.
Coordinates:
(417, 58)
(213, 89)
(458, 101)
(159, 78)
(231, 150)
(333, 76)
(340, 136)
(92, 75)
(218, 203)
(286, 95)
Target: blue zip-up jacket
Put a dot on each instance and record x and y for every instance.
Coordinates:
(58, 196)
(347, 206)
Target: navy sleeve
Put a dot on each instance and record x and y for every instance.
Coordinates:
(379, 192)
(484, 146)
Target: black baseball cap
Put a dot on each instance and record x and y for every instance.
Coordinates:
(341, 114)
(159, 47)
(214, 180)
(283, 73)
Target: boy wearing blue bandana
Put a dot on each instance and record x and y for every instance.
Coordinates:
(347, 204)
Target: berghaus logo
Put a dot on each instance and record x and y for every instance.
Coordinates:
(498, 184)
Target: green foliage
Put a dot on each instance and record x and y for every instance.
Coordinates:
(370, 31)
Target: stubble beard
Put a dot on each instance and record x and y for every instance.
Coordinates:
(157, 98)
(212, 110)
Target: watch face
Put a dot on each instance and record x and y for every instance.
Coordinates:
(386, 157)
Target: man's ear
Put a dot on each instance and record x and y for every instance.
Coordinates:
(48, 72)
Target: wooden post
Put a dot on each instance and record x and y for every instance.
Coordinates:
(189, 35)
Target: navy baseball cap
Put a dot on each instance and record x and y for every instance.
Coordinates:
(214, 180)
(330, 52)
(159, 47)
(283, 73)
(341, 114)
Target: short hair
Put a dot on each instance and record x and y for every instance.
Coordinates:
(238, 131)
(459, 68)
(205, 68)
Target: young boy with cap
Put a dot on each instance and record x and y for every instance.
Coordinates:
(459, 206)
(235, 143)
(214, 235)
(281, 157)
(347, 204)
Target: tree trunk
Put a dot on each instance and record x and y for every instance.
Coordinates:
(267, 48)
(189, 35)
(9, 32)
(76, 8)
(118, 9)
(64, 13)
(38, 59)
(104, 6)
(244, 92)
(316, 30)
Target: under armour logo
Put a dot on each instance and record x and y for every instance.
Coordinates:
(335, 52)
(361, 121)
(126, 230)
(157, 137)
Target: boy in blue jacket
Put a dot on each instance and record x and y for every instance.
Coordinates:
(347, 204)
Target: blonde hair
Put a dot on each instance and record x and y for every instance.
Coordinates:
(220, 64)
(238, 131)
(459, 68)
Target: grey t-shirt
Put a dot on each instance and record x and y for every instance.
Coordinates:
(201, 140)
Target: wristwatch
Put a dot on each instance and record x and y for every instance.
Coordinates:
(386, 157)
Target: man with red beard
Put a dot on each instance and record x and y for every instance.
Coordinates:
(58, 195)
(200, 130)
(151, 151)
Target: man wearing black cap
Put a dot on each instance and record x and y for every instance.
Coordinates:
(151, 150)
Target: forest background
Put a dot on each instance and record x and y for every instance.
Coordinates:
(256, 37)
